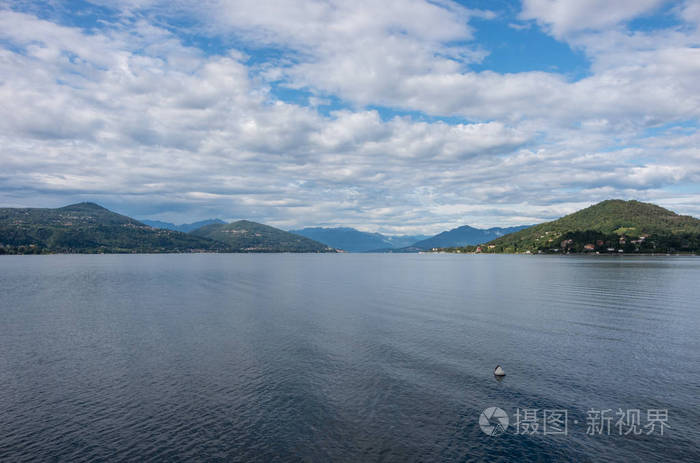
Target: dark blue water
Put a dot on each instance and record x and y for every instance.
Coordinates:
(342, 357)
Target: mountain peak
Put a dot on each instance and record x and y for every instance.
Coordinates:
(248, 236)
(463, 236)
(84, 206)
(631, 221)
(629, 205)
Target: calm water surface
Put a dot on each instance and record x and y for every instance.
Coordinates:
(342, 357)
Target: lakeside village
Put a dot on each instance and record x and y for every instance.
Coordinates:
(588, 242)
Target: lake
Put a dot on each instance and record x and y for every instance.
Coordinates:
(348, 357)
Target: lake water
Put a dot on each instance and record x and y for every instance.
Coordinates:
(349, 357)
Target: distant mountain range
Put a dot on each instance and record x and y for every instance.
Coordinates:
(246, 236)
(609, 226)
(90, 228)
(350, 239)
(463, 236)
(184, 228)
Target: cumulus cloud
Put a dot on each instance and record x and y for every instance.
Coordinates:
(123, 122)
(416, 56)
(564, 17)
(135, 115)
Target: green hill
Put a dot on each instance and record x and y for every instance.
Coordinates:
(609, 226)
(88, 228)
(246, 236)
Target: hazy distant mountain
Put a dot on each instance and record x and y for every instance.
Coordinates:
(185, 227)
(247, 236)
(465, 235)
(350, 239)
(88, 228)
(403, 241)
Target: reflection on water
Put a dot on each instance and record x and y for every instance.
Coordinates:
(342, 357)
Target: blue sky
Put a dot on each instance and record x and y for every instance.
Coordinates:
(406, 116)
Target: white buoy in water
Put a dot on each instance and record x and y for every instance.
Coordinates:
(499, 371)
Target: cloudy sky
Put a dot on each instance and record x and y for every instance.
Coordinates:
(398, 116)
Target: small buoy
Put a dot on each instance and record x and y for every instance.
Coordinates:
(499, 371)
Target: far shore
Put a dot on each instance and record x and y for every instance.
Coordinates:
(586, 254)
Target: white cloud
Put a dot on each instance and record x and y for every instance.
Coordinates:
(690, 12)
(121, 123)
(415, 55)
(129, 116)
(564, 17)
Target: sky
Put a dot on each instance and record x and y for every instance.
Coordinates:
(397, 116)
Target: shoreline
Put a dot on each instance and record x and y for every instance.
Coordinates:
(588, 254)
(606, 255)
